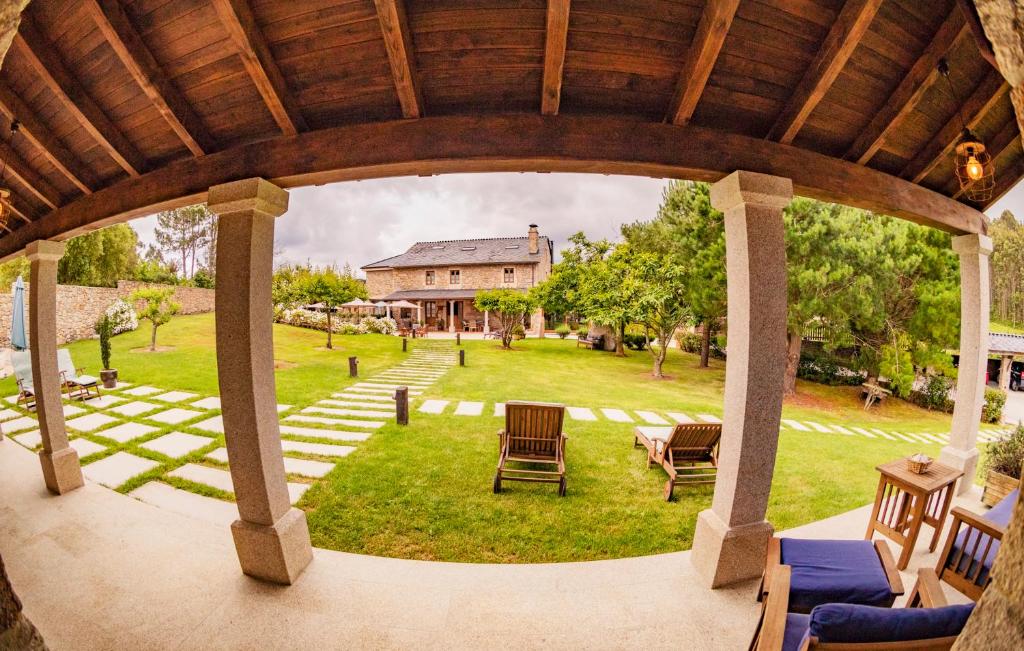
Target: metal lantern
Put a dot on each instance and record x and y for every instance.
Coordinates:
(974, 168)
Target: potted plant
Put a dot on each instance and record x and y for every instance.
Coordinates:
(105, 329)
(1003, 460)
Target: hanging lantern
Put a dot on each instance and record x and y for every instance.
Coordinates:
(974, 168)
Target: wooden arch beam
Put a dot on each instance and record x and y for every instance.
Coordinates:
(394, 27)
(556, 37)
(700, 60)
(32, 180)
(500, 143)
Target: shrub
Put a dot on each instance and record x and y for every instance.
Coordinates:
(825, 369)
(105, 329)
(935, 393)
(582, 332)
(992, 412)
(562, 331)
(634, 341)
(518, 332)
(379, 325)
(203, 279)
(122, 316)
(1007, 456)
(689, 342)
(158, 308)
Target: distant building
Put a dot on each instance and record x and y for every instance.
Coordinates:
(443, 277)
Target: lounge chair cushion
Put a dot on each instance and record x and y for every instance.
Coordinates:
(834, 571)
(852, 623)
(999, 514)
(797, 629)
(84, 380)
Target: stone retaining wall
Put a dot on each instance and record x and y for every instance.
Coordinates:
(78, 307)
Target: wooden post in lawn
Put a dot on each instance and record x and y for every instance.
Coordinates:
(458, 338)
(353, 366)
(462, 357)
(402, 405)
(405, 344)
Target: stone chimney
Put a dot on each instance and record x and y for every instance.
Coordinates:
(534, 239)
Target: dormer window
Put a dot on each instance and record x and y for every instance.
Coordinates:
(469, 248)
(453, 277)
(512, 246)
(510, 274)
(437, 247)
(429, 279)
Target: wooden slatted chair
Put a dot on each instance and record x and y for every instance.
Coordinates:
(75, 382)
(532, 435)
(21, 360)
(688, 452)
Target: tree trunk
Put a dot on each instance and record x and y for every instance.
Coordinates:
(659, 361)
(794, 341)
(16, 631)
(620, 344)
(705, 344)
(152, 339)
(329, 328)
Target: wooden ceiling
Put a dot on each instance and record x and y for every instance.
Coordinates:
(111, 93)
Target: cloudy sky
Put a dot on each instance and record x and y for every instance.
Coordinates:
(365, 221)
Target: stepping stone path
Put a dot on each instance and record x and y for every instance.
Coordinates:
(499, 409)
(680, 418)
(71, 410)
(118, 468)
(348, 422)
(29, 439)
(617, 415)
(175, 396)
(177, 444)
(104, 401)
(135, 408)
(90, 422)
(469, 409)
(221, 479)
(127, 431)
(85, 447)
(580, 413)
(19, 424)
(174, 416)
(433, 406)
(293, 466)
(651, 417)
(182, 502)
(142, 391)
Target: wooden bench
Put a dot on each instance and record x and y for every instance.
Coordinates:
(593, 343)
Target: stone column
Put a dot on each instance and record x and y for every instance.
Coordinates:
(1005, 367)
(731, 537)
(451, 316)
(962, 451)
(271, 537)
(61, 469)
(487, 322)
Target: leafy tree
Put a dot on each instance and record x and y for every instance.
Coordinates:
(328, 287)
(151, 271)
(10, 270)
(158, 309)
(203, 279)
(511, 308)
(1005, 266)
(99, 258)
(184, 232)
(560, 292)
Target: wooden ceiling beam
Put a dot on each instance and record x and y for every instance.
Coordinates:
(240, 23)
(42, 139)
(922, 75)
(850, 26)
(44, 59)
(17, 213)
(1005, 182)
(700, 59)
(394, 27)
(555, 39)
(131, 49)
(991, 89)
(15, 166)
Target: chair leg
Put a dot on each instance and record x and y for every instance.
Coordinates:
(669, 485)
(497, 482)
(561, 486)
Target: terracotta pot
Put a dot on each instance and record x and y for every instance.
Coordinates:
(109, 377)
(997, 486)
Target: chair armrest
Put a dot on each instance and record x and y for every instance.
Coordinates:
(928, 590)
(977, 522)
(501, 432)
(772, 562)
(773, 618)
(889, 565)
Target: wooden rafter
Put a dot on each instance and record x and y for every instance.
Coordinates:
(238, 19)
(130, 48)
(904, 99)
(985, 96)
(394, 27)
(998, 145)
(33, 181)
(970, 13)
(51, 70)
(41, 138)
(18, 213)
(853, 21)
(555, 39)
(1007, 180)
(700, 59)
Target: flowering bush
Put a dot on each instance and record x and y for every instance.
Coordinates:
(122, 316)
(381, 326)
(318, 321)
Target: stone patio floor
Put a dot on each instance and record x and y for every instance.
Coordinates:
(100, 570)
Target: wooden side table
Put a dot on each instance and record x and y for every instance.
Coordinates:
(906, 500)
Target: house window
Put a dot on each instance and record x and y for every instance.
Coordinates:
(510, 274)
(431, 309)
(430, 278)
(453, 277)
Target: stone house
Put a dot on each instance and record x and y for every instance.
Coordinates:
(443, 277)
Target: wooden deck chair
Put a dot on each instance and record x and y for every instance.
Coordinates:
(21, 360)
(688, 452)
(532, 435)
(76, 384)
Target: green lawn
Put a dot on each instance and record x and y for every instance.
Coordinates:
(424, 491)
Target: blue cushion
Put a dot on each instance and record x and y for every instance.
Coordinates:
(796, 631)
(834, 571)
(849, 623)
(999, 514)
(1003, 511)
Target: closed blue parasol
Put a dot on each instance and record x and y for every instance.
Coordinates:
(18, 340)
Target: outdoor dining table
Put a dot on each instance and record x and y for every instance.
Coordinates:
(906, 500)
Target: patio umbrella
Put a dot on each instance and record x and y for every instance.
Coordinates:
(354, 303)
(18, 340)
(385, 306)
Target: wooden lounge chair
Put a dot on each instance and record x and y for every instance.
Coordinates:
(21, 360)
(833, 571)
(848, 627)
(971, 546)
(75, 382)
(532, 435)
(593, 343)
(688, 452)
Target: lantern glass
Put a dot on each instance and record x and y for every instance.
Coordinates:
(974, 169)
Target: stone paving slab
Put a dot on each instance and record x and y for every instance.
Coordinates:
(616, 415)
(358, 389)
(433, 406)
(221, 479)
(91, 422)
(207, 403)
(680, 417)
(177, 444)
(905, 438)
(499, 409)
(580, 413)
(319, 449)
(797, 425)
(818, 427)
(651, 417)
(85, 447)
(19, 424)
(104, 401)
(304, 467)
(842, 430)
(135, 408)
(469, 408)
(332, 434)
(199, 507)
(347, 422)
(357, 404)
(174, 416)
(709, 418)
(118, 468)
(214, 424)
(175, 396)
(363, 396)
(8, 414)
(357, 413)
(127, 431)
(29, 439)
(72, 410)
(142, 391)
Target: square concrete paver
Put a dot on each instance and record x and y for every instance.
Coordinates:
(206, 403)
(175, 396)
(317, 433)
(127, 431)
(617, 415)
(680, 417)
(200, 507)
(7, 414)
(221, 479)
(177, 444)
(118, 468)
(433, 406)
(29, 439)
(304, 467)
(321, 449)
(85, 447)
(19, 424)
(499, 409)
(72, 410)
(580, 413)
(469, 408)
(797, 425)
(709, 418)
(104, 401)
(342, 411)
(214, 424)
(134, 408)
(90, 422)
(344, 422)
(142, 391)
(174, 416)
(651, 417)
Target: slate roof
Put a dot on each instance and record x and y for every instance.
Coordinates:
(999, 342)
(434, 294)
(491, 250)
